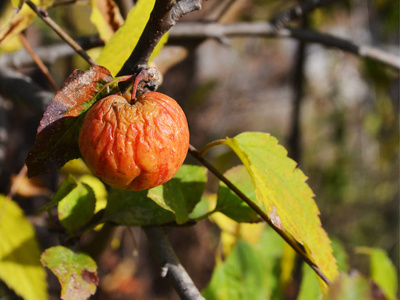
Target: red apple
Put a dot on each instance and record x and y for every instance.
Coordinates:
(135, 146)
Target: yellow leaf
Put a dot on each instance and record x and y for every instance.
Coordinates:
(99, 190)
(251, 232)
(106, 17)
(20, 266)
(232, 231)
(287, 264)
(122, 43)
(75, 167)
(282, 192)
(21, 20)
(229, 231)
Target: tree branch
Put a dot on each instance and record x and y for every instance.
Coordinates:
(171, 266)
(264, 29)
(164, 16)
(185, 31)
(18, 87)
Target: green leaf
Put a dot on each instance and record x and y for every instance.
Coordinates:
(244, 275)
(351, 287)
(339, 252)
(382, 271)
(282, 192)
(181, 193)
(203, 207)
(171, 202)
(229, 203)
(310, 288)
(135, 209)
(77, 272)
(20, 267)
(77, 207)
(66, 186)
(122, 43)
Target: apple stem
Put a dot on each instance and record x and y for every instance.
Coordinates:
(138, 78)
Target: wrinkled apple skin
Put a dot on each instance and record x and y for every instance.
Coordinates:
(135, 146)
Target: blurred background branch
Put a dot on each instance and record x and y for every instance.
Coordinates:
(200, 31)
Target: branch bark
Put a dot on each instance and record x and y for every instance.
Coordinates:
(171, 266)
(164, 16)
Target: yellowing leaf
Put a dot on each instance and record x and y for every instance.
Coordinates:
(106, 17)
(22, 19)
(282, 192)
(77, 272)
(122, 43)
(20, 267)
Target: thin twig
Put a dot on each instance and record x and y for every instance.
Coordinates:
(193, 151)
(43, 14)
(264, 29)
(48, 54)
(38, 61)
(170, 264)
